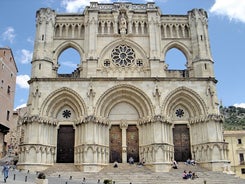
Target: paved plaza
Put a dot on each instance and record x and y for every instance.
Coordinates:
(25, 177)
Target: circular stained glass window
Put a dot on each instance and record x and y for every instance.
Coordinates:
(179, 113)
(66, 114)
(123, 55)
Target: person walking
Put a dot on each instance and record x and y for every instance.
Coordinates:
(5, 171)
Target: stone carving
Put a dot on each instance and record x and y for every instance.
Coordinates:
(123, 24)
(36, 118)
(36, 95)
(45, 15)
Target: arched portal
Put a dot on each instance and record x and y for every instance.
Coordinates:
(124, 105)
(66, 107)
(181, 105)
(124, 133)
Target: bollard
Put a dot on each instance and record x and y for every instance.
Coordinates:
(205, 182)
(114, 182)
(25, 178)
(59, 175)
(28, 171)
(70, 177)
(66, 182)
(98, 181)
(14, 176)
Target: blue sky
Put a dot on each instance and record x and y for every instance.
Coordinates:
(226, 31)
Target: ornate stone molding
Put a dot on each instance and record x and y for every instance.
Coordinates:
(123, 124)
(38, 148)
(210, 145)
(38, 119)
(209, 117)
(153, 119)
(117, 6)
(96, 148)
(45, 15)
(94, 119)
(155, 147)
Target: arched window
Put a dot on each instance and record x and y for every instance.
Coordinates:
(68, 61)
(175, 59)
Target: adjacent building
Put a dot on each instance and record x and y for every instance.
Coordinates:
(122, 100)
(236, 154)
(8, 72)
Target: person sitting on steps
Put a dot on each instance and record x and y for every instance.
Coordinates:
(115, 164)
(175, 164)
(131, 160)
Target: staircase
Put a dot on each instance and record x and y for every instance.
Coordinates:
(126, 174)
(61, 168)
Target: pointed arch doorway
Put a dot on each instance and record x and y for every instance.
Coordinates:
(65, 144)
(124, 143)
(123, 135)
(181, 138)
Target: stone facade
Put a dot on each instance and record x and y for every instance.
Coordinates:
(122, 100)
(236, 153)
(8, 72)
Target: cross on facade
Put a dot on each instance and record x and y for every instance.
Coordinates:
(106, 63)
(139, 63)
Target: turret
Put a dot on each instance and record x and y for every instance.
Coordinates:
(42, 65)
(202, 60)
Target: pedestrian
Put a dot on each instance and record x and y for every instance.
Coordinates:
(5, 171)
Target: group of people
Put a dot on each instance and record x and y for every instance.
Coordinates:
(131, 162)
(190, 162)
(189, 175)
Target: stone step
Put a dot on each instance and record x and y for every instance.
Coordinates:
(126, 173)
(61, 167)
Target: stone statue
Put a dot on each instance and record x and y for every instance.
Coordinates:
(123, 25)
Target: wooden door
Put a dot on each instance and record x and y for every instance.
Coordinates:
(65, 144)
(181, 138)
(133, 142)
(115, 144)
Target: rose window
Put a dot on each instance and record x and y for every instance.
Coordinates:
(179, 113)
(123, 55)
(66, 114)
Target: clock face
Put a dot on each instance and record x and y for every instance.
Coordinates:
(123, 56)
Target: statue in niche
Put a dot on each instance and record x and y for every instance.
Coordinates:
(123, 24)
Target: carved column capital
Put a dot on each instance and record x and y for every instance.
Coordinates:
(123, 124)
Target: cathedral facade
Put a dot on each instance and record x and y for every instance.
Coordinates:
(122, 100)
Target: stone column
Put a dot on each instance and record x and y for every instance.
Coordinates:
(124, 126)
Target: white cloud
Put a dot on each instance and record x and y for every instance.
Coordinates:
(240, 105)
(26, 56)
(69, 64)
(74, 6)
(21, 81)
(9, 34)
(20, 106)
(233, 9)
(30, 40)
